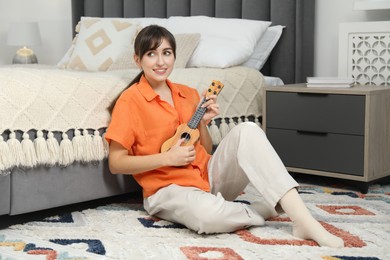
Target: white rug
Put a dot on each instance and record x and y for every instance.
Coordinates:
(125, 231)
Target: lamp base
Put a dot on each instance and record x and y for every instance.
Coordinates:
(24, 56)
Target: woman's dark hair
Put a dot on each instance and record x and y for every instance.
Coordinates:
(149, 38)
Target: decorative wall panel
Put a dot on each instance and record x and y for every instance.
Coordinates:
(364, 52)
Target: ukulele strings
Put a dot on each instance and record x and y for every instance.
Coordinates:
(202, 111)
(198, 115)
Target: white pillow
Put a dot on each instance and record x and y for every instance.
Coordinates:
(145, 21)
(264, 47)
(224, 42)
(100, 42)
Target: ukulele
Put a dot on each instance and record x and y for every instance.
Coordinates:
(189, 131)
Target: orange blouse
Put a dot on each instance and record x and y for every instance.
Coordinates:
(141, 122)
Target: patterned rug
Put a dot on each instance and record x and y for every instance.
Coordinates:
(123, 230)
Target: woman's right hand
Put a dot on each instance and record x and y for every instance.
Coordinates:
(180, 155)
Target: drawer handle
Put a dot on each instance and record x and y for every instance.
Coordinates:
(313, 94)
(303, 132)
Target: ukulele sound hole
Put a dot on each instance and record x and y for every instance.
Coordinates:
(185, 136)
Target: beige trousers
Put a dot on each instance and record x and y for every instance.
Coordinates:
(244, 155)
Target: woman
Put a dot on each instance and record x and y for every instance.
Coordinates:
(186, 184)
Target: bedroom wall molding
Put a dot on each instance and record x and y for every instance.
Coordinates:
(364, 52)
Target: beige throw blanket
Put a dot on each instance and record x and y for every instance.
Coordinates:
(47, 100)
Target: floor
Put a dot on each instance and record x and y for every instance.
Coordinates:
(6, 221)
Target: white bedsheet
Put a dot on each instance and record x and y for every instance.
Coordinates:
(273, 81)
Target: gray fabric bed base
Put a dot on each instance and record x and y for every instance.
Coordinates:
(5, 191)
(43, 188)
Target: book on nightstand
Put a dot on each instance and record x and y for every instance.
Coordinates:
(329, 82)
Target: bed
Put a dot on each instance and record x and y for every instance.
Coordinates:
(52, 148)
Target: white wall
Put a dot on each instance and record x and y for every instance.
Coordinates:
(329, 13)
(54, 17)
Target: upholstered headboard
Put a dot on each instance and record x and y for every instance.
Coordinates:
(292, 58)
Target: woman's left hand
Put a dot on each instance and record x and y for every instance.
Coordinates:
(212, 108)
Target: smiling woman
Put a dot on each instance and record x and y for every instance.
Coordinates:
(189, 184)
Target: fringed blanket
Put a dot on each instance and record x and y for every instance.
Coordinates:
(49, 100)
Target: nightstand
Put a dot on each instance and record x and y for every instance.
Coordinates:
(334, 132)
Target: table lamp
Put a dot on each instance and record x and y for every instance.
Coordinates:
(24, 34)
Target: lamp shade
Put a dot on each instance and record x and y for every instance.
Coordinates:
(24, 34)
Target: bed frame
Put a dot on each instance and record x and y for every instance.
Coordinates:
(27, 190)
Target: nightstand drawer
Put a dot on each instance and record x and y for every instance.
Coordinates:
(324, 152)
(329, 113)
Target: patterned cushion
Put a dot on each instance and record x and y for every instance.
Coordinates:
(185, 46)
(100, 43)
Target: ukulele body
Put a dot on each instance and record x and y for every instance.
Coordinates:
(183, 132)
(189, 131)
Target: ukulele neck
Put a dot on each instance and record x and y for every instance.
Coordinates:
(195, 119)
